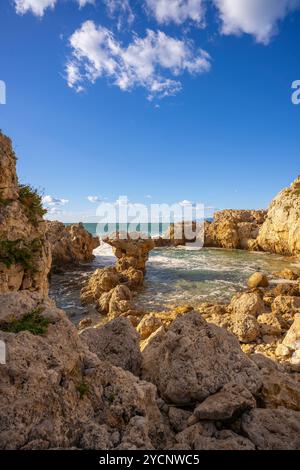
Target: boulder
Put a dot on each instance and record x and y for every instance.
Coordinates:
(227, 404)
(247, 303)
(280, 233)
(245, 327)
(257, 279)
(292, 342)
(269, 324)
(194, 359)
(271, 429)
(116, 342)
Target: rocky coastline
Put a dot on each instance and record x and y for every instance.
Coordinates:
(219, 377)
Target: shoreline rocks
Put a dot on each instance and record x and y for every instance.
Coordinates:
(70, 245)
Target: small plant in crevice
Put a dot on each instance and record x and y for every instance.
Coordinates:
(33, 322)
(83, 389)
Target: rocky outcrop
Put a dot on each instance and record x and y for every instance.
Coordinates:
(234, 229)
(58, 394)
(280, 232)
(25, 257)
(111, 288)
(116, 342)
(71, 244)
(290, 346)
(194, 359)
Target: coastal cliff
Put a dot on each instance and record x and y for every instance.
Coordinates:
(25, 256)
(280, 232)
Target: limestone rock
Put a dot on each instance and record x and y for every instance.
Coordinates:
(247, 303)
(194, 359)
(25, 257)
(101, 281)
(292, 342)
(229, 403)
(258, 279)
(179, 418)
(269, 324)
(279, 389)
(117, 342)
(234, 229)
(148, 325)
(245, 327)
(270, 429)
(71, 244)
(280, 232)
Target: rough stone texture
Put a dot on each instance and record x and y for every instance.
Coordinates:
(234, 229)
(55, 393)
(116, 342)
(247, 303)
(258, 279)
(148, 325)
(245, 327)
(194, 359)
(292, 342)
(206, 437)
(280, 232)
(227, 404)
(279, 389)
(17, 226)
(71, 244)
(269, 324)
(179, 418)
(273, 429)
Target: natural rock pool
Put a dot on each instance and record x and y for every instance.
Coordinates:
(175, 276)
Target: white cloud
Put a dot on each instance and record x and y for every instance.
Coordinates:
(53, 201)
(177, 11)
(185, 202)
(37, 7)
(144, 62)
(121, 10)
(148, 196)
(256, 17)
(94, 199)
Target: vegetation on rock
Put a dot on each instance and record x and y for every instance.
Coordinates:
(19, 252)
(32, 203)
(33, 322)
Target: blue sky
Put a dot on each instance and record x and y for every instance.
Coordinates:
(186, 102)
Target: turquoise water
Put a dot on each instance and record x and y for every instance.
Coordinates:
(175, 276)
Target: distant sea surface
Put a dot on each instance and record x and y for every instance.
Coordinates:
(175, 276)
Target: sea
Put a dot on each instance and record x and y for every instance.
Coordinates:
(175, 276)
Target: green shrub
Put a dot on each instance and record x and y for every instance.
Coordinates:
(32, 322)
(83, 389)
(18, 252)
(32, 203)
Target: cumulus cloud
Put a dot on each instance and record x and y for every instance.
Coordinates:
(256, 17)
(37, 7)
(177, 11)
(152, 61)
(53, 201)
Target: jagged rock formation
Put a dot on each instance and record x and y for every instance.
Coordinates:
(234, 229)
(71, 244)
(25, 256)
(280, 232)
(111, 288)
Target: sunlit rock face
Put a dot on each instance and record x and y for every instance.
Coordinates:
(25, 256)
(281, 231)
